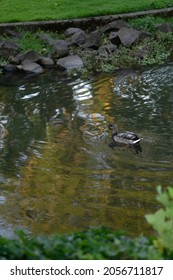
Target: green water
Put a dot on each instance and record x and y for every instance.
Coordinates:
(57, 170)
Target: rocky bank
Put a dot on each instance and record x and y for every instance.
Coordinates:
(70, 52)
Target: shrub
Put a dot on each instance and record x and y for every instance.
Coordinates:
(162, 222)
(96, 243)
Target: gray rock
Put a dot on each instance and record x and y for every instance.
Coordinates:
(28, 55)
(93, 40)
(114, 38)
(10, 68)
(46, 38)
(107, 49)
(72, 30)
(14, 34)
(165, 27)
(8, 48)
(103, 52)
(60, 48)
(129, 36)
(30, 66)
(79, 38)
(115, 26)
(46, 62)
(141, 52)
(118, 24)
(70, 62)
(14, 59)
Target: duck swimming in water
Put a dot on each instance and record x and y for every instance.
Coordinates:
(127, 137)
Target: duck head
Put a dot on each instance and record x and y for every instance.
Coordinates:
(114, 128)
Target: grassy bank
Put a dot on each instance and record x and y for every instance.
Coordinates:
(154, 49)
(19, 10)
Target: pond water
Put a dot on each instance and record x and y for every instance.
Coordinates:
(57, 170)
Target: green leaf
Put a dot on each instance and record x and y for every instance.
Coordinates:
(157, 218)
(170, 191)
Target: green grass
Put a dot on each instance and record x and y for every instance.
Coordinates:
(19, 10)
(148, 23)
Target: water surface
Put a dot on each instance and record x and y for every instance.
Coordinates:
(57, 170)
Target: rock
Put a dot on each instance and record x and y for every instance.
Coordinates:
(145, 34)
(14, 59)
(103, 52)
(114, 38)
(30, 66)
(107, 49)
(115, 25)
(46, 38)
(28, 55)
(93, 40)
(14, 34)
(165, 27)
(8, 48)
(79, 38)
(46, 62)
(10, 68)
(118, 24)
(141, 52)
(60, 48)
(129, 36)
(70, 62)
(72, 30)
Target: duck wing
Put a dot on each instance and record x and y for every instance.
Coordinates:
(129, 135)
(126, 137)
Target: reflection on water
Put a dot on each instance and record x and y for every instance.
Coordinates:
(57, 170)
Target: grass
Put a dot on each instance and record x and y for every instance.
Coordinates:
(19, 10)
(30, 41)
(148, 23)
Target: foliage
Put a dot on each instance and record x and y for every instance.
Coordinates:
(155, 48)
(148, 23)
(19, 10)
(100, 243)
(162, 220)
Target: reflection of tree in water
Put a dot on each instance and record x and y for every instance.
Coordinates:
(69, 177)
(29, 107)
(34, 105)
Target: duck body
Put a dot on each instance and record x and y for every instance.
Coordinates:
(127, 137)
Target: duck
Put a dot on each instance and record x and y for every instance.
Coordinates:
(127, 137)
